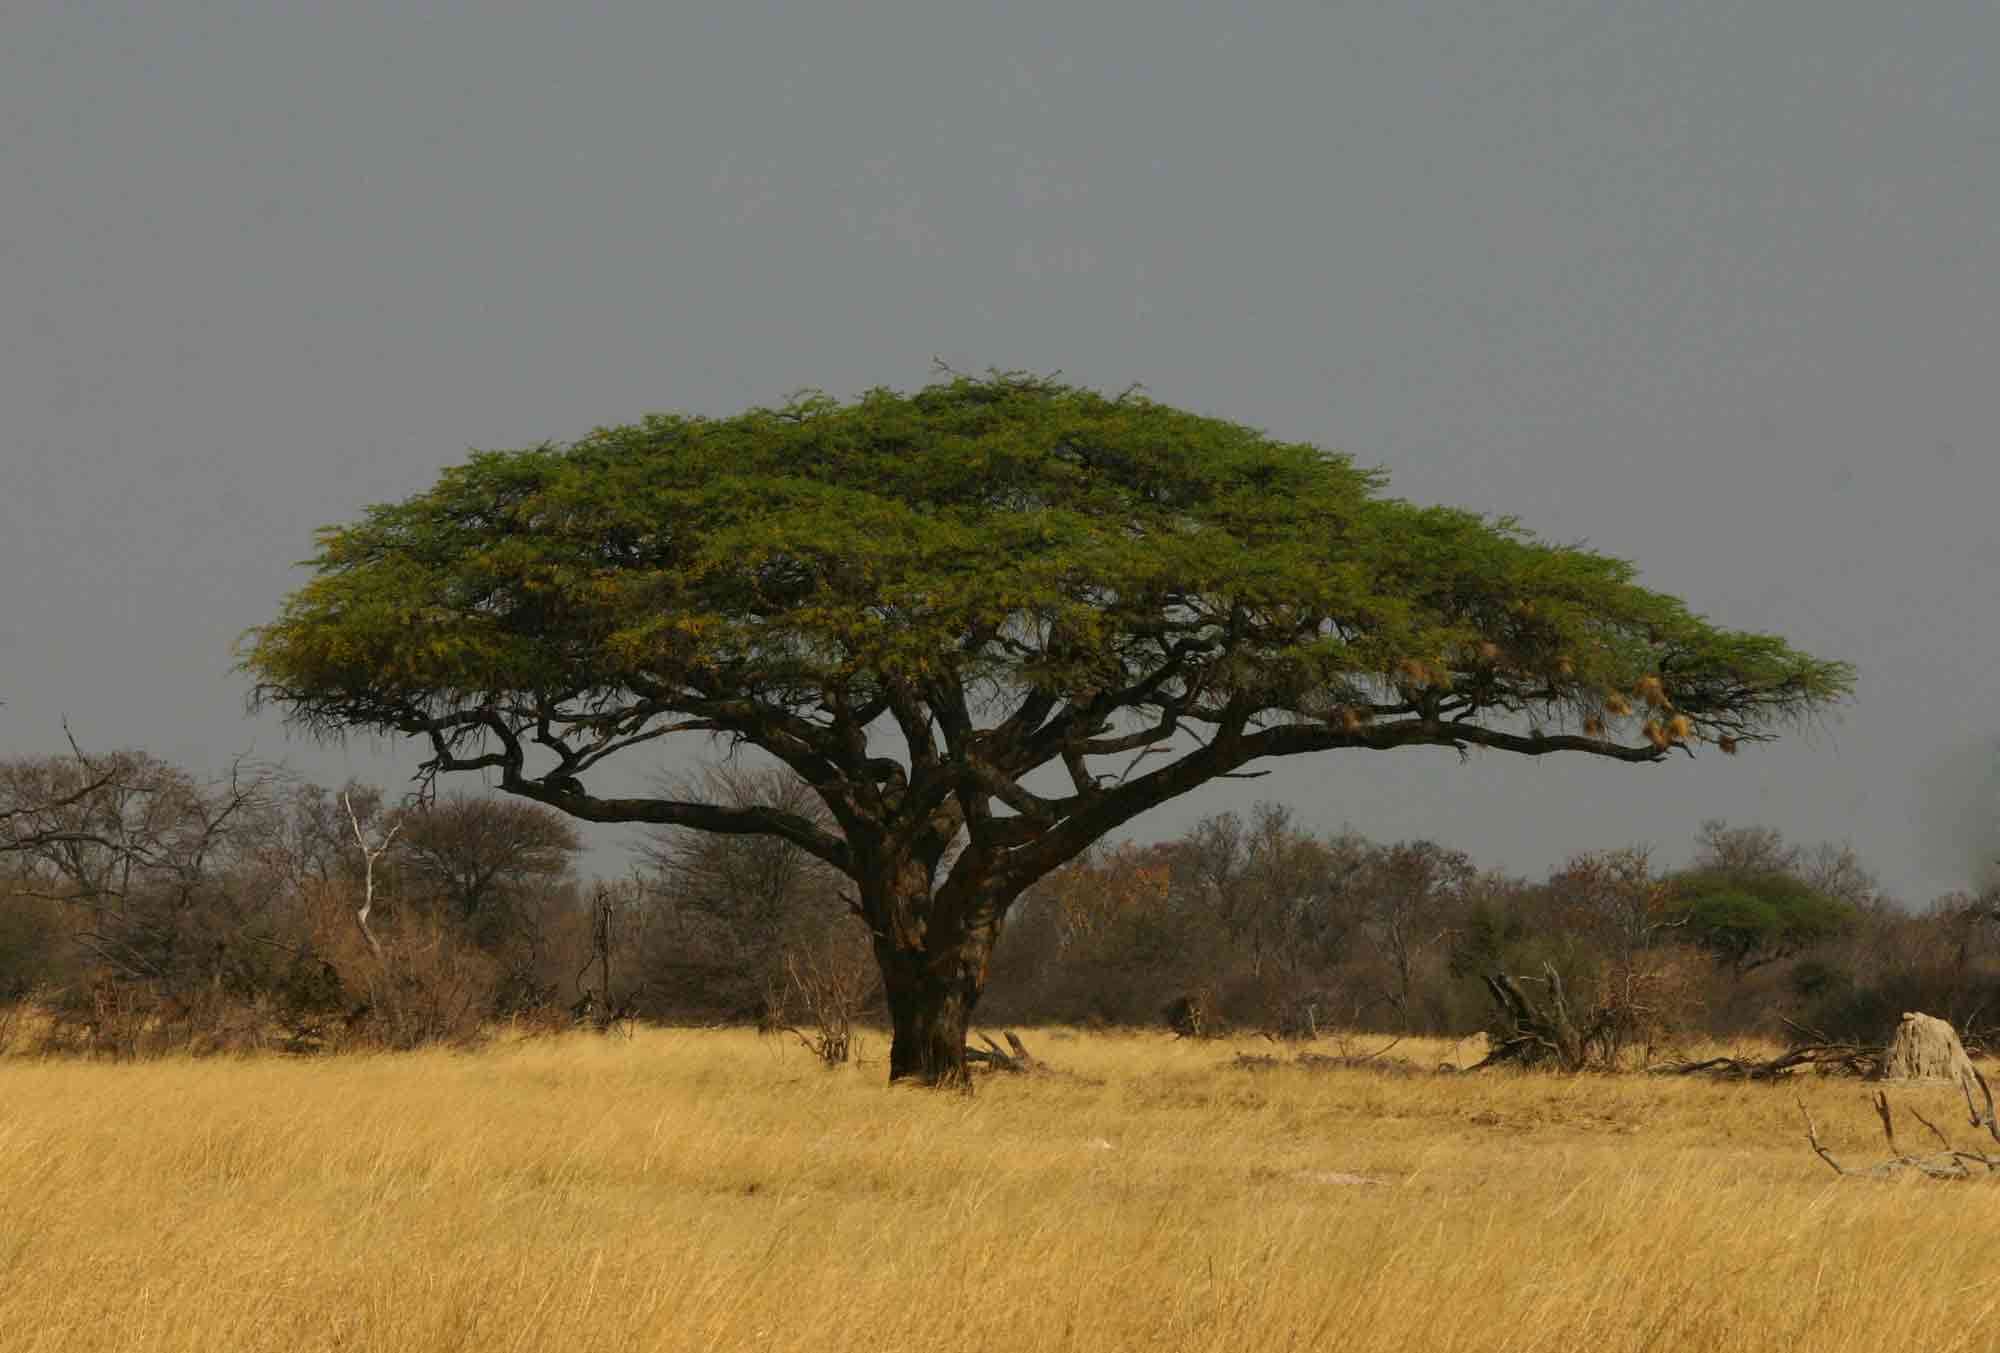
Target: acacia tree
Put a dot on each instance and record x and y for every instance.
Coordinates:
(918, 602)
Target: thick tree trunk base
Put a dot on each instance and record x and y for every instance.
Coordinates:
(929, 1013)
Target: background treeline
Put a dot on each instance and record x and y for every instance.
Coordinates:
(142, 909)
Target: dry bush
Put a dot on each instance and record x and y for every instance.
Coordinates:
(824, 988)
(1193, 1015)
(16, 1017)
(434, 988)
(36, 951)
(116, 1020)
(1647, 1006)
(429, 984)
(1105, 941)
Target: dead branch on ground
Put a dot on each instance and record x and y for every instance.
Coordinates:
(1534, 1034)
(993, 1057)
(1827, 1059)
(1377, 1060)
(1948, 1163)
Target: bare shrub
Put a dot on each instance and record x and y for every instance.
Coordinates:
(1645, 1004)
(824, 989)
(410, 979)
(435, 988)
(16, 1017)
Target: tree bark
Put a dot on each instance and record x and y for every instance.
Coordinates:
(931, 995)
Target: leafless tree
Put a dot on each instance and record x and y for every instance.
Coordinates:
(1408, 889)
(1835, 870)
(1744, 850)
(486, 859)
(734, 906)
(1282, 896)
(754, 886)
(144, 854)
(1948, 1162)
(1614, 896)
(313, 845)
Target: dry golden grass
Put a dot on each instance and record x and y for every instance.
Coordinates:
(714, 1191)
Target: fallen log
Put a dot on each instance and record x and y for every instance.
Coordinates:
(1014, 1058)
(1826, 1059)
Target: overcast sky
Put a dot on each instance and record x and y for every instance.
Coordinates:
(1712, 286)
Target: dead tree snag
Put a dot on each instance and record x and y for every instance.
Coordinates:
(1946, 1163)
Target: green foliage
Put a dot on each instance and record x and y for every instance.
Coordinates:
(1732, 923)
(1013, 533)
(1818, 979)
(1756, 918)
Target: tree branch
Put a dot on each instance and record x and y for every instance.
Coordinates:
(368, 857)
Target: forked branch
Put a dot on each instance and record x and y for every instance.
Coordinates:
(1947, 1163)
(368, 857)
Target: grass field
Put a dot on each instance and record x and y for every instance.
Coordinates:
(705, 1190)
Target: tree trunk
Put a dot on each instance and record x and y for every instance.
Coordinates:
(931, 997)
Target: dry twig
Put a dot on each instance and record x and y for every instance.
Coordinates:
(1948, 1163)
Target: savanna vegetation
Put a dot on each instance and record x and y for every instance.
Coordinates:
(987, 626)
(691, 1189)
(954, 646)
(143, 910)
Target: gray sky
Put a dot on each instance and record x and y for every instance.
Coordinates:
(1712, 286)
